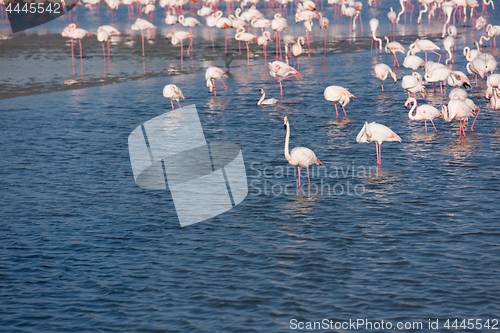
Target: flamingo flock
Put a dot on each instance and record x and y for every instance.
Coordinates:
(425, 74)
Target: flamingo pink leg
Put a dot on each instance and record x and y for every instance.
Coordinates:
(172, 104)
(81, 56)
(336, 112)
(309, 179)
(380, 154)
(343, 109)
(108, 50)
(472, 127)
(142, 37)
(433, 125)
(425, 126)
(103, 53)
(299, 177)
(180, 107)
(382, 85)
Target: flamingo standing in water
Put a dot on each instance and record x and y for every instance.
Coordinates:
(179, 36)
(323, 24)
(424, 112)
(300, 157)
(394, 47)
(103, 36)
(382, 71)
(263, 40)
(247, 38)
(373, 27)
(424, 45)
(212, 74)
(392, 21)
(278, 24)
(413, 62)
(457, 109)
(142, 25)
(378, 133)
(413, 84)
(338, 94)
(403, 10)
(189, 22)
(173, 93)
(297, 49)
(283, 71)
(73, 32)
(223, 23)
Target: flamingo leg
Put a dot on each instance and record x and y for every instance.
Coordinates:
(380, 154)
(437, 54)
(172, 105)
(248, 55)
(433, 125)
(103, 53)
(376, 149)
(343, 109)
(425, 126)
(472, 127)
(108, 50)
(142, 36)
(336, 112)
(225, 87)
(441, 86)
(180, 107)
(299, 177)
(382, 85)
(215, 90)
(72, 54)
(81, 56)
(309, 179)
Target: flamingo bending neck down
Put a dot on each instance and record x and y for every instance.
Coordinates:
(283, 71)
(173, 93)
(299, 156)
(382, 71)
(212, 74)
(338, 94)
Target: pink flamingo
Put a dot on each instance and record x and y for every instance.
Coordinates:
(212, 74)
(382, 71)
(338, 94)
(283, 71)
(142, 25)
(378, 133)
(173, 93)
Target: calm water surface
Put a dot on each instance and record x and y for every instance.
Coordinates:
(85, 249)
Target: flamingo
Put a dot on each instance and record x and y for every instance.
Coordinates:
(283, 71)
(424, 112)
(73, 32)
(382, 71)
(487, 3)
(278, 24)
(297, 49)
(103, 36)
(471, 54)
(261, 24)
(495, 100)
(350, 12)
(403, 10)
(425, 45)
(413, 84)
(493, 31)
(473, 107)
(458, 79)
(323, 25)
(393, 47)
(449, 43)
(300, 157)
(189, 22)
(392, 21)
(111, 30)
(223, 23)
(458, 93)
(142, 25)
(447, 8)
(171, 19)
(205, 11)
(247, 38)
(263, 40)
(477, 67)
(481, 23)
(263, 101)
(215, 73)
(173, 93)
(378, 133)
(457, 109)
(492, 83)
(179, 36)
(413, 62)
(373, 27)
(338, 94)
(438, 75)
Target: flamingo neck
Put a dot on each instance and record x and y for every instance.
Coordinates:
(410, 113)
(287, 141)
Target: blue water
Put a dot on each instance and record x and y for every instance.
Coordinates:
(83, 249)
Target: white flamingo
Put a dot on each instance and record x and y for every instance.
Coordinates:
(378, 133)
(300, 157)
(173, 93)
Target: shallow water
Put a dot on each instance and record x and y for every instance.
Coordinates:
(85, 249)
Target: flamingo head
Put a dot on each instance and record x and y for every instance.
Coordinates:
(261, 91)
(285, 120)
(169, 36)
